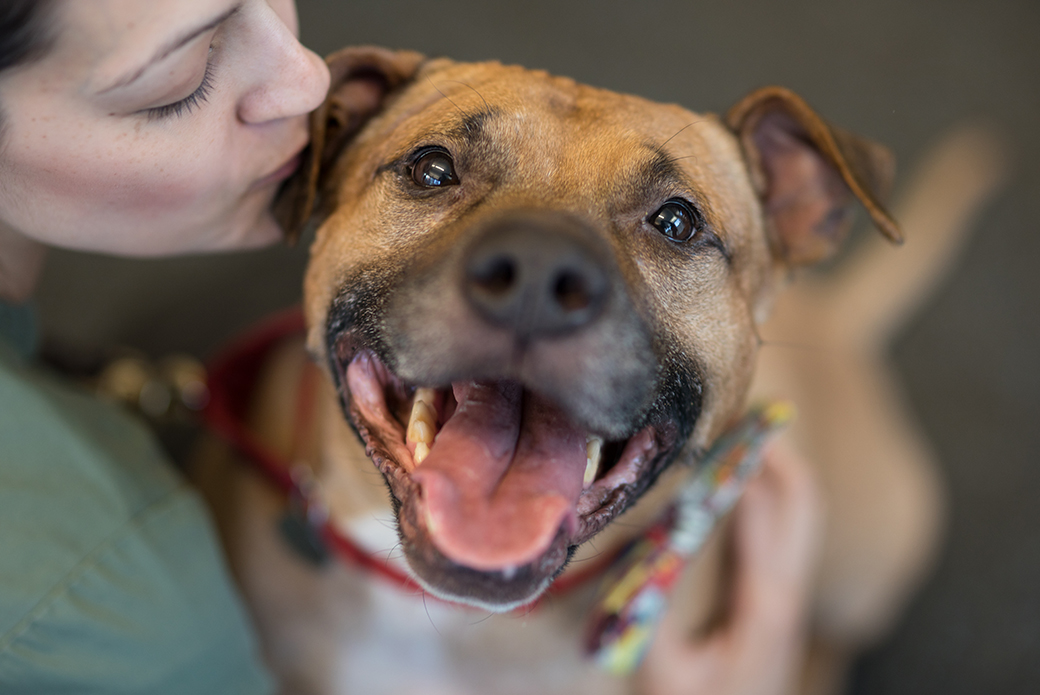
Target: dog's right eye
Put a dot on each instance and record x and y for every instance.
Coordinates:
(434, 169)
(677, 220)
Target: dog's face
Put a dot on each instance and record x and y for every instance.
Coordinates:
(534, 296)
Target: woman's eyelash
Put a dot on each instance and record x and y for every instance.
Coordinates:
(188, 103)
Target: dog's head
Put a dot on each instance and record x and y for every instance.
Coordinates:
(546, 293)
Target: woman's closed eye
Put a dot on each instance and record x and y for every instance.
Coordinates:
(189, 103)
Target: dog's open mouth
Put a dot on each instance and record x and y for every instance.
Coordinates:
(494, 484)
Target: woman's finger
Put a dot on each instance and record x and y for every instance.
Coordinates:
(777, 529)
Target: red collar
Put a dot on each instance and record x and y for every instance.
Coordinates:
(232, 376)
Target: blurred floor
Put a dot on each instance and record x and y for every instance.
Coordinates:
(897, 71)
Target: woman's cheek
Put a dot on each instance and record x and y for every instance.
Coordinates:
(80, 169)
(185, 200)
(161, 179)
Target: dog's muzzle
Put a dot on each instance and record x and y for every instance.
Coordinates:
(510, 393)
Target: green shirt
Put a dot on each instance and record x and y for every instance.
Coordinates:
(111, 579)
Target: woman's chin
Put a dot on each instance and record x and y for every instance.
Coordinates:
(265, 232)
(255, 233)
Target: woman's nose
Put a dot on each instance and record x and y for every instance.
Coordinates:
(290, 80)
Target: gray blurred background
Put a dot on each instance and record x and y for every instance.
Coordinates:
(897, 71)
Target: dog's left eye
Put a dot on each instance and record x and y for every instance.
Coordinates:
(676, 220)
(434, 169)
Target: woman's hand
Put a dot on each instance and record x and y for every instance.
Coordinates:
(759, 650)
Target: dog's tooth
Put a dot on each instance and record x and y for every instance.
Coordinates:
(593, 453)
(421, 432)
(422, 424)
(425, 394)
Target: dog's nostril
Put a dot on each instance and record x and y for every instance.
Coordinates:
(537, 275)
(496, 277)
(571, 291)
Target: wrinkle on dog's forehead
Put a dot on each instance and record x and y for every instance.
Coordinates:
(538, 113)
(556, 132)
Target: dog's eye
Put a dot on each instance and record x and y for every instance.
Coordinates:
(434, 169)
(676, 220)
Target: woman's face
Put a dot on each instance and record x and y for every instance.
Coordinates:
(157, 127)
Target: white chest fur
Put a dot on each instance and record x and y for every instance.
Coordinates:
(337, 629)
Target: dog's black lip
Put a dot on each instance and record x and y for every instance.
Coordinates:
(402, 487)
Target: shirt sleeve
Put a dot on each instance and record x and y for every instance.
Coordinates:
(111, 577)
(149, 611)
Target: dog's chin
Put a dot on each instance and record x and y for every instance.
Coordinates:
(510, 484)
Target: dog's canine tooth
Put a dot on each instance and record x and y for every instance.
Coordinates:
(420, 430)
(425, 394)
(593, 454)
(422, 425)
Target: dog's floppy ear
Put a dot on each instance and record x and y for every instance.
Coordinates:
(807, 173)
(363, 79)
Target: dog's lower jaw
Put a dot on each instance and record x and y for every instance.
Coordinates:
(496, 591)
(500, 591)
(509, 585)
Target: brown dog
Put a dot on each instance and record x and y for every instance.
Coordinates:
(534, 299)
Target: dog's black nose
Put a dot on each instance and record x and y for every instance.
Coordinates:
(539, 274)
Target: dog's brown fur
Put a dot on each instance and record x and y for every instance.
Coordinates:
(773, 182)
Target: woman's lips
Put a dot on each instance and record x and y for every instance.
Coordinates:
(281, 173)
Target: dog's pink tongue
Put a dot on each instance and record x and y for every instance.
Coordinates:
(501, 478)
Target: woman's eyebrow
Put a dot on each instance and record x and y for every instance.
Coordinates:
(167, 49)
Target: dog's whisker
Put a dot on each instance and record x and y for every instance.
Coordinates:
(688, 125)
(386, 522)
(483, 620)
(487, 107)
(529, 608)
(430, 80)
(676, 159)
(428, 616)
(390, 553)
(595, 556)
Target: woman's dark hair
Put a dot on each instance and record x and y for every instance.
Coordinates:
(24, 31)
